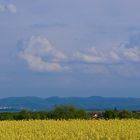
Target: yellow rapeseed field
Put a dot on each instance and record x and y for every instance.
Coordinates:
(70, 130)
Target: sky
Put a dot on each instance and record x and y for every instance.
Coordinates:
(70, 48)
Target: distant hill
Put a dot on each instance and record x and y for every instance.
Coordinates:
(88, 103)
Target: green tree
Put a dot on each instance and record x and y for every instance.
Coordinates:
(111, 114)
(124, 114)
(23, 115)
(67, 112)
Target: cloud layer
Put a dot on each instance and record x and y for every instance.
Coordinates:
(41, 56)
(8, 8)
(114, 55)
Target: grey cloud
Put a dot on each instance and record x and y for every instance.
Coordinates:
(2, 8)
(11, 8)
(54, 25)
(134, 40)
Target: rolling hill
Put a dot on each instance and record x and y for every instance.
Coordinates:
(87, 103)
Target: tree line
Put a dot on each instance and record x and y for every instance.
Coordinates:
(120, 114)
(69, 112)
(60, 112)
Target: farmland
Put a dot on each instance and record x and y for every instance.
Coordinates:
(70, 130)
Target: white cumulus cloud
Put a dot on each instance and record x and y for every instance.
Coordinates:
(41, 56)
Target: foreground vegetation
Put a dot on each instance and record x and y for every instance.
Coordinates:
(60, 112)
(69, 112)
(69, 123)
(70, 130)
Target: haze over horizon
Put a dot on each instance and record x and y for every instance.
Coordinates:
(70, 48)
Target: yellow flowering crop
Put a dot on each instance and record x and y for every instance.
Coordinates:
(70, 130)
